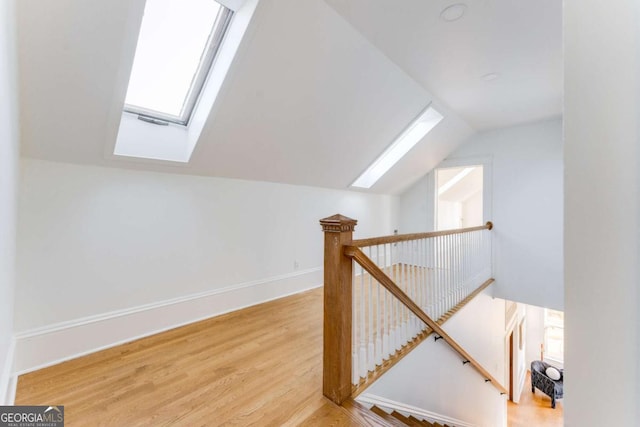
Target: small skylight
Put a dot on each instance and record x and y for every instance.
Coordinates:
(177, 46)
(453, 181)
(421, 126)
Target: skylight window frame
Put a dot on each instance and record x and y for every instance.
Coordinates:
(207, 62)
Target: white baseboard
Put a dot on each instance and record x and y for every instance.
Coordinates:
(391, 405)
(11, 390)
(7, 379)
(38, 348)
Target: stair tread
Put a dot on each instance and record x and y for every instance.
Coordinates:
(390, 419)
(407, 420)
(420, 422)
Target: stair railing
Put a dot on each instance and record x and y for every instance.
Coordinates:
(382, 293)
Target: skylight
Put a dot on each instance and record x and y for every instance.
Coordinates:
(453, 181)
(177, 45)
(421, 126)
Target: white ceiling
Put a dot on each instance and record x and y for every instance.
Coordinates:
(519, 40)
(311, 99)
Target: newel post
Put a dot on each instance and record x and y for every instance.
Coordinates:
(336, 372)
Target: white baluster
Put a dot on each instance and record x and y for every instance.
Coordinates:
(355, 377)
(445, 259)
(417, 274)
(454, 266)
(362, 365)
(478, 253)
(478, 257)
(401, 323)
(465, 259)
(431, 277)
(420, 270)
(427, 269)
(427, 281)
(394, 336)
(489, 253)
(436, 278)
(472, 260)
(371, 364)
(454, 269)
(418, 278)
(420, 282)
(386, 351)
(441, 284)
(467, 262)
(459, 291)
(405, 281)
(379, 319)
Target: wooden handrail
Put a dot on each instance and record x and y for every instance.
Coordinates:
(361, 243)
(375, 271)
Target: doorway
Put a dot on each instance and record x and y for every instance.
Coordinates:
(511, 367)
(459, 197)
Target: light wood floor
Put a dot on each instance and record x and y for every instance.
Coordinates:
(258, 366)
(534, 409)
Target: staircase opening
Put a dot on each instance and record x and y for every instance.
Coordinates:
(385, 295)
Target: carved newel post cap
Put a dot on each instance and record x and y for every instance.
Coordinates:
(338, 223)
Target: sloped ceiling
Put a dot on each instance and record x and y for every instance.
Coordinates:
(519, 41)
(311, 98)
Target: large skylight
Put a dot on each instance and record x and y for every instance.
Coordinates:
(177, 44)
(416, 130)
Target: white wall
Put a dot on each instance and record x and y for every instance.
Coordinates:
(433, 378)
(105, 242)
(417, 206)
(515, 316)
(9, 142)
(535, 333)
(472, 211)
(449, 215)
(602, 139)
(526, 191)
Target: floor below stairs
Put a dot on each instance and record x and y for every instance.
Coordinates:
(534, 409)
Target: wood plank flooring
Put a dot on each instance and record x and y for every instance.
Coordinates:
(261, 366)
(534, 409)
(258, 366)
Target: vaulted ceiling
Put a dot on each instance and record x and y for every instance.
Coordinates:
(318, 89)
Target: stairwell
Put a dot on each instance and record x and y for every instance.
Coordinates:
(383, 297)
